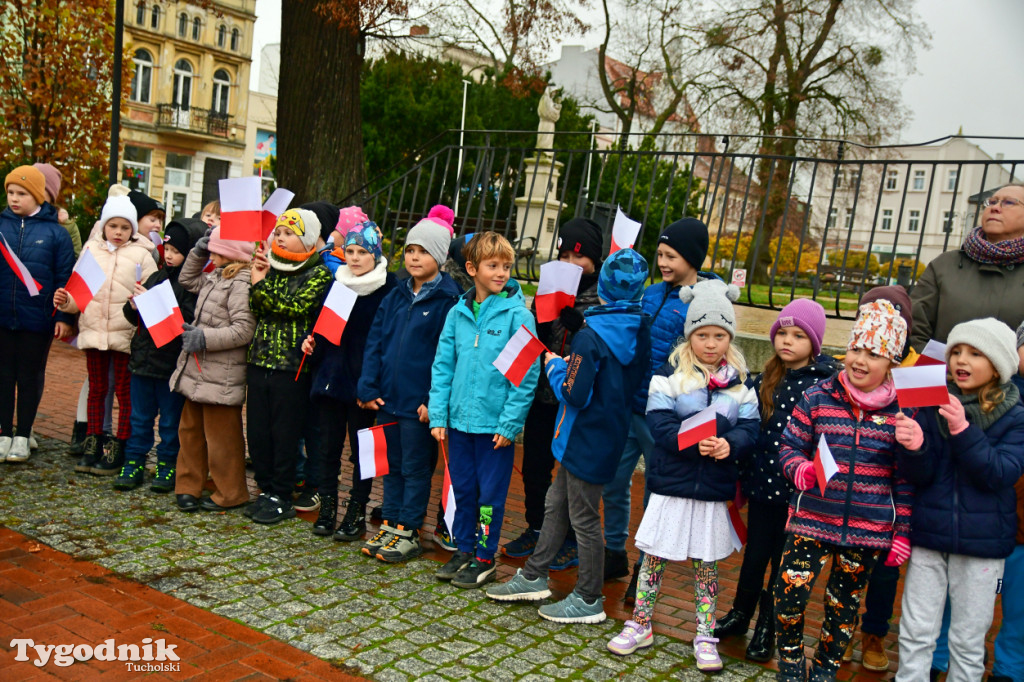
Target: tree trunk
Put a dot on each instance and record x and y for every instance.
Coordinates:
(319, 125)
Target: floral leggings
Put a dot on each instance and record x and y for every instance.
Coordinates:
(705, 592)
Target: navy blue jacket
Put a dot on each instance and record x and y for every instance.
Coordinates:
(45, 248)
(609, 359)
(401, 345)
(965, 502)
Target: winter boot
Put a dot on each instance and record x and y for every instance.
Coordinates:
(616, 564)
(77, 447)
(163, 479)
(324, 524)
(130, 476)
(92, 447)
(630, 597)
(353, 525)
(737, 620)
(762, 644)
(110, 461)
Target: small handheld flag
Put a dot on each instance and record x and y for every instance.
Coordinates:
(335, 313)
(159, 310)
(698, 427)
(275, 206)
(921, 386)
(373, 452)
(20, 270)
(448, 497)
(241, 209)
(624, 231)
(518, 355)
(934, 353)
(825, 466)
(86, 279)
(557, 288)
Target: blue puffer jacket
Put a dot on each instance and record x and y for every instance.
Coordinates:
(401, 344)
(45, 248)
(467, 391)
(965, 501)
(609, 360)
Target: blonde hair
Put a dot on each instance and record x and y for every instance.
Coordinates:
(685, 362)
(233, 268)
(212, 207)
(487, 245)
(990, 395)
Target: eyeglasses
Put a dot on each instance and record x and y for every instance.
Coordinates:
(1003, 203)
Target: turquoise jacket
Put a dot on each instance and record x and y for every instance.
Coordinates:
(467, 392)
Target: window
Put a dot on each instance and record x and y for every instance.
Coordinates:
(839, 179)
(849, 219)
(918, 181)
(154, 18)
(914, 221)
(179, 170)
(891, 178)
(947, 221)
(140, 13)
(196, 27)
(952, 175)
(143, 78)
(135, 173)
(221, 91)
(832, 217)
(182, 95)
(182, 25)
(234, 39)
(887, 219)
(222, 33)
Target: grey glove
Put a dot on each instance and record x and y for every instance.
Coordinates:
(192, 339)
(204, 242)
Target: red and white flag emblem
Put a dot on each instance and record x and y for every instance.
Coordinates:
(373, 452)
(86, 279)
(335, 313)
(934, 353)
(160, 312)
(921, 386)
(20, 271)
(624, 231)
(825, 466)
(241, 209)
(698, 427)
(275, 206)
(448, 498)
(518, 355)
(556, 289)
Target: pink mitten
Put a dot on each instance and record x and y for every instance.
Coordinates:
(899, 552)
(954, 414)
(805, 477)
(908, 432)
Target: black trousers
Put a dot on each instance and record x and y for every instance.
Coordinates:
(338, 417)
(22, 369)
(277, 406)
(766, 538)
(538, 462)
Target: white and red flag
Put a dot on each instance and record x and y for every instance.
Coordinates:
(624, 231)
(335, 313)
(86, 279)
(518, 355)
(825, 466)
(158, 241)
(698, 427)
(373, 452)
(934, 353)
(557, 288)
(241, 209)
(275, 206)
(448, 498)
(737, 529)
(159, 310)
(921, 386)
(20, 271)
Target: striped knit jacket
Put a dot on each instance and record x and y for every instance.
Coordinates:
(865, 504)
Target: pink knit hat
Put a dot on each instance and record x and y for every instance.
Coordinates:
(349, 217)
(806, 314)
(53, 179)
(443, 215)
(231, 249)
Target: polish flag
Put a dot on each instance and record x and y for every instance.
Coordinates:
(448, 499)
(20, 271)
(209, 267)
(241, 209)
(825, 466)
(921, 386)
(86, 279)
(335, 313)
(518, 355)
(373, 452)
(158, 241)
(160, 312)
(557, 288)
(934, 353)
(698, 427)
(737, 529)
(275, 206)
(624, 231)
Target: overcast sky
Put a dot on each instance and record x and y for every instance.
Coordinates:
(970, 78)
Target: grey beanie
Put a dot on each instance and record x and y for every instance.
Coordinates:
(710, 305)
(1020, 335)
(993, 338)
(434, 237)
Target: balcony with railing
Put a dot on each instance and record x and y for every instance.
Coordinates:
(193, 120)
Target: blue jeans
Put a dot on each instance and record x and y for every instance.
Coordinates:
(149, 398)
(1009, 649)
(480, 476)
(617, 493)
(412, 456)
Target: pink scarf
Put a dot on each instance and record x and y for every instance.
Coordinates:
(870, 400)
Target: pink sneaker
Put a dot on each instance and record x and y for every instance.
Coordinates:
(706, 652)
(633, 636)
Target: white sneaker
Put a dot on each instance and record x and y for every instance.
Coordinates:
(19, 451)
(5, 447)
(33, 444)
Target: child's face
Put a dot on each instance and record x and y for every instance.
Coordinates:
(865, 370)
(674, 268)
(578, 259)
(288, 240)
(420, 264)
(491, 275)
(172, 257)
(359, 260)
(793, 347)
(20, 201)
(210, 218)
(218, 260)
(710, 344)
(970, 368)
(151, 222)
(117, 231)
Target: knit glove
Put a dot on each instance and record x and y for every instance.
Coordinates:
(571, 319)
(192, 339)
(204, 242)
(954, 415)
(805, 478)
(899, 552)
(908, 432)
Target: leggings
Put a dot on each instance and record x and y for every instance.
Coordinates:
(705, 592)
(23, 361)
(99, 362)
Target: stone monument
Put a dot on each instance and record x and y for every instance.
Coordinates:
(538, 209)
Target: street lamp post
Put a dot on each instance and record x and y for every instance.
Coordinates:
(462, 153)
(115, 99)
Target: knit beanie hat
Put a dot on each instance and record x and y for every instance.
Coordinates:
(622, 277)
(31, 179)
(806, 314)
(302, 222)
(232, 249)
(710, 305)
(145, 204)
(689, 237)
(993, 338)
(434, 237)
(443, 215)
(366, 236)
(327, 213)
(349, 217)
(183, 233)
(582, 236)
(880, 329)
(120, 207)
(53, 180)
(1020, 335)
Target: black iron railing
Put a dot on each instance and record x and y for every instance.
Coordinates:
(190, 119)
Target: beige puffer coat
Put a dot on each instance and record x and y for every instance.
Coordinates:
(222, 312)
(102, 325)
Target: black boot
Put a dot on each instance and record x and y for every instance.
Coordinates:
(737, 620)
(630, 597)
(762, 644)
(616, 564)
(110, 461)
(77, 447)
(92, 447)
(324, 524)
(353, 526)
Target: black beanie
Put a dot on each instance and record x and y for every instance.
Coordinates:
(327, 214)
(689, 237)
(144, 204)
(583, 236)
(183, 234)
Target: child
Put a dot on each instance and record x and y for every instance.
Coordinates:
(288, 286)
(333, 235)
(29, 225)
(211, 375)
(687, 516)
(964, 522)
(481, 409)
(609, 359)
(211, 213)
(579, 243)
(152, 367)
(396, 381)
(865, 507)
(150, 211)
(53, 183)
(104, 333)
(365, 272)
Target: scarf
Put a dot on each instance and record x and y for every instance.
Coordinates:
(869, 400)
(366, 284)
(972, 407)
(723, 376)
(288, 261)
(981, 250)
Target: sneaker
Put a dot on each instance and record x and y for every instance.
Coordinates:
(381, 538)
(163, 479)
(5, 447)
(110, 460)
(274, 510)
(633, 636)
(522, 545)
(353, 525)
(255, 505)
(19, 451)
(573, 609)
(706, 653)
(328, 516)
(130, 476)
(567, 557)
(307, 501)
(520, 588)
(33, 444)
(459, 561)
(403, 545)
(443, 538)
(872, 653)
(478, 573)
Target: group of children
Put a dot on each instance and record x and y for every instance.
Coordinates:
(624, 368)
